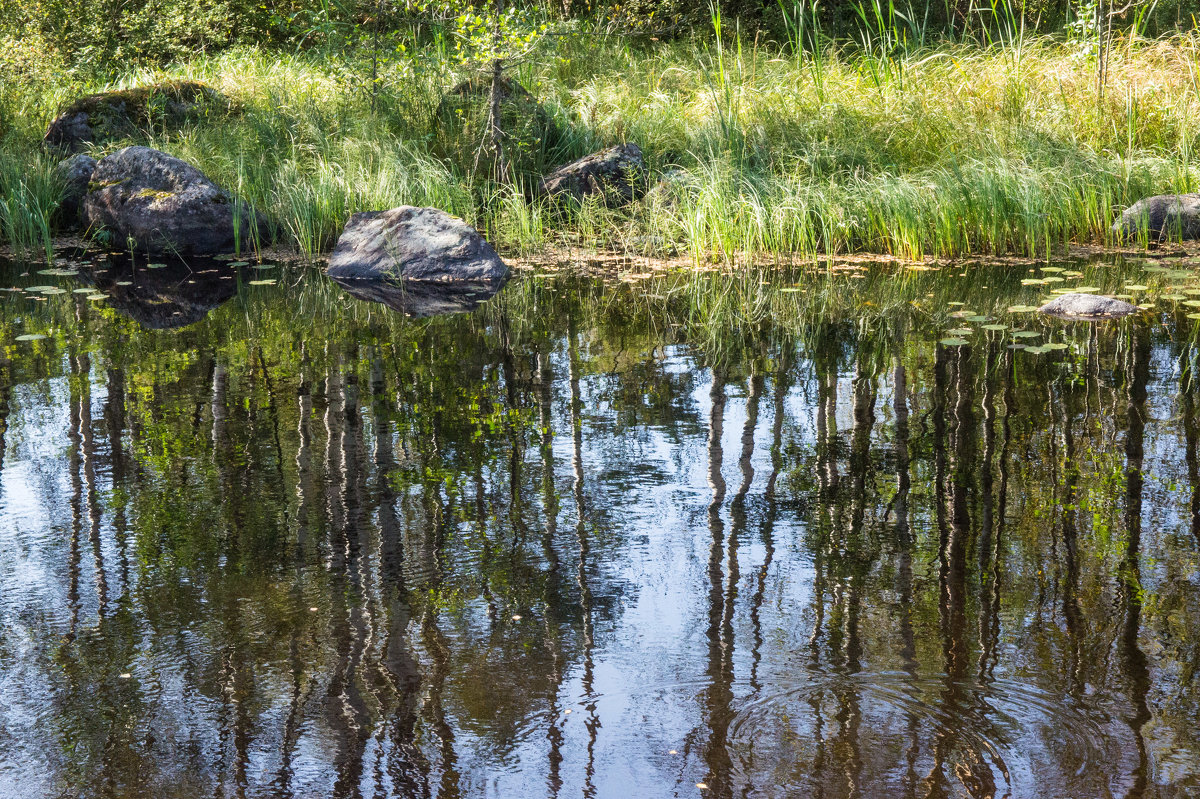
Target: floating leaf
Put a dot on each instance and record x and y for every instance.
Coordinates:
(156, 266)
(40, 289)
(54, 291)
(239, 263)
(97, 296)
(1052, 269)
(262, 282)
(58, 272)
(124, 282)
(979, 318)
(1017, 346)
(1121, 296)
(1154, 269)
(1072, 274)
(953, 342)
(960, 331)
(1174, 297)
(31, 337)
(1136, 287)
(84, 290)
(995, 327)
(1032, 281)
(1025, 334)
(1177, 274)
(1193, 316)
(955, 302)
(265, 266)
(1054, 345)
(1036, 350)
(1052, 279)
(1021, 308)
(1192, 303)
(1087, 289)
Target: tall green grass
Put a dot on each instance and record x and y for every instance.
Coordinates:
(887, 144)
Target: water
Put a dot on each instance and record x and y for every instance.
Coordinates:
(756, 533)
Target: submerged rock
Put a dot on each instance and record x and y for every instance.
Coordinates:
(615, 173)
(113, 114)
(159, 204)
(421, 298)
(1087, 306)
(414, 244)
(75, 173)
(1166, 216)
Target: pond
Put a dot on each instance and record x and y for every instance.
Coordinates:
(833, 532)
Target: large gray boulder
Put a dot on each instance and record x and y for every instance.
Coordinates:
(1166, 216)
(414, 244)
(1087, 306)
(123, 112)
(617, 174)
(161, 205)
(75, 173)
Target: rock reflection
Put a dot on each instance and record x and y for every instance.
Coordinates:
(169, 296)
(552, 548)
(421, 298)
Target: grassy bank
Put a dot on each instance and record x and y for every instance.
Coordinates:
(914, 151)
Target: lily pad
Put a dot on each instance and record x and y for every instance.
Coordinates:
(1136, 287)
(58, 272)
(1022, 308)
(1053, 269)
(239, 263)
(53, 290)
(1026, 334)
(1174, 297)
(953, 342)
(1192, 303)
(156, 266)
(1052, 279)
(1086, 289)
(84, 290)
(1054, 345)
(995, 327)
(97, 297)
(1036, 350)
(979, 318)
(262, 282)
(124, 282)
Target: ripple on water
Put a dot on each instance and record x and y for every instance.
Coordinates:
(896, 735)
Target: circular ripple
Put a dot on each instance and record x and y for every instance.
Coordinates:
(896, 735)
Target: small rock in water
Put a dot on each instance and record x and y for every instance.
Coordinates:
(1087, 306)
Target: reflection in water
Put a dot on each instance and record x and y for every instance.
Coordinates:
(421, 298)
(557, 547)
(167, 296)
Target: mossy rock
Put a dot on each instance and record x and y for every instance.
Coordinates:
(531, 134)
(125, 113)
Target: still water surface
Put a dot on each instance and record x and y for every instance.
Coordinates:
(596, 539)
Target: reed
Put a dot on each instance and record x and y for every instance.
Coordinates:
(891, 143)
